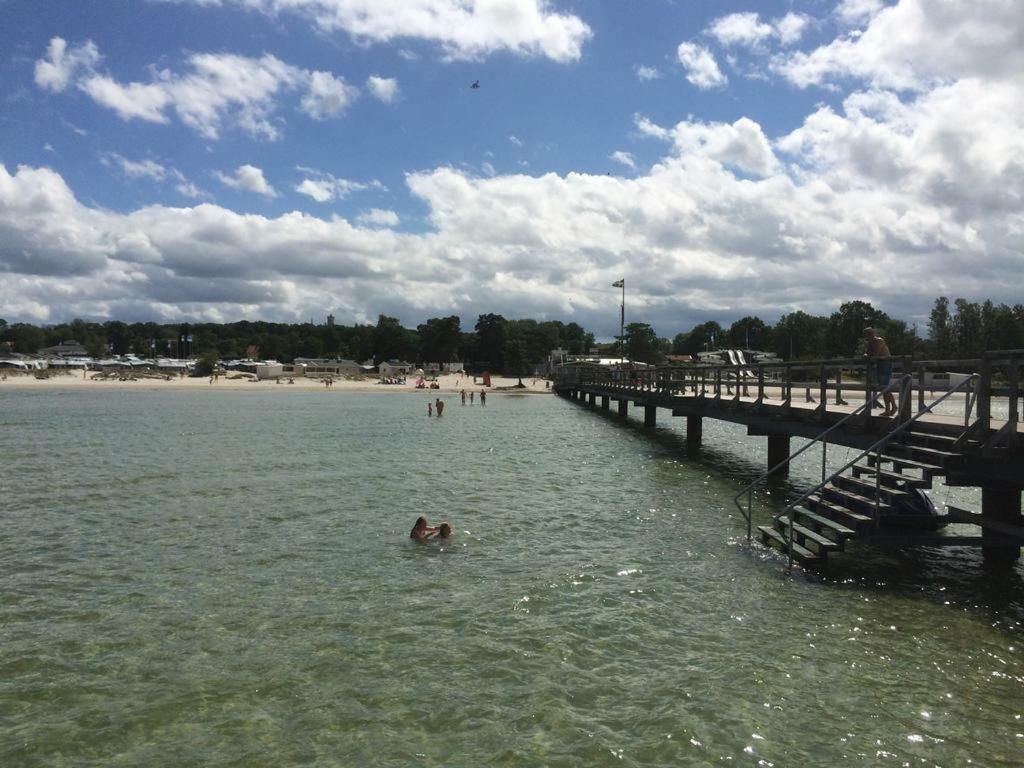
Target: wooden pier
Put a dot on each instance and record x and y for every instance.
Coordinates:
(834, 402)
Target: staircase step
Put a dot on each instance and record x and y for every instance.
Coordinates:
(841, 514)
(899, 462)
(918, 453)
(844, 497)
(801, 554)
(929, 439)
(893, 479)
(820, 522)
(803, 534)
(867, 489)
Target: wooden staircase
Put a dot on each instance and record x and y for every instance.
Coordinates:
(843, 509)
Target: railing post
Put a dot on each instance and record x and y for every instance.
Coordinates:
(920, 388)
(760, 384)
(1013, 406)
(985, 397)
(839, 386)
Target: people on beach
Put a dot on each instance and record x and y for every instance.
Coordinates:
(430, 408)
(440, 407)
(463, 396)
(483, 397)
(880, 359)
(471, 398)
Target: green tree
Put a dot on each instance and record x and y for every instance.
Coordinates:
(642, 343)
(390, 340)
(702, 338)
(439, 339)
(514, 355)
(844, 333)
(799, 335)
(967, 328)
(940, 330)
(490, 336)
(749, 333)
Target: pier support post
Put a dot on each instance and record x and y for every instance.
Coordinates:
(778, 451)
(650, 415)
(591, 399)
(604, 402)
(623, 409)
(694, 430)
(1002, 505)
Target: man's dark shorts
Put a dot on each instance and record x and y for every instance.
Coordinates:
(883, 373)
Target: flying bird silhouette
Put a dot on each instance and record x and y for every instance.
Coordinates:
(475, 85)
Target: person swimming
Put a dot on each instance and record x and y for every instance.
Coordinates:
(444, 531)
(421, 530)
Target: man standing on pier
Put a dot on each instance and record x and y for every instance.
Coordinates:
(879, 357)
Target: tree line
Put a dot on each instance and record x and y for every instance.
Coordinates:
(963, 329)
(958, 329)
(494, 343)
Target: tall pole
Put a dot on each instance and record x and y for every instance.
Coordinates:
(622, 324)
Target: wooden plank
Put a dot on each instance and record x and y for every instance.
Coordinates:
(801, 532)
(892, 479)
(801, 554)
(821, 521)
(821, 504)
(867, 490)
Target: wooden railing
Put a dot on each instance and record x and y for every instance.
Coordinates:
(998, 374)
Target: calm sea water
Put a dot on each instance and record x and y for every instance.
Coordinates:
(200, 578)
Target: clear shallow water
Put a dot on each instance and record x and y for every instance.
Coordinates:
(226, 579)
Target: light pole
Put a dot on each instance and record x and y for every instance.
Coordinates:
(621, 283)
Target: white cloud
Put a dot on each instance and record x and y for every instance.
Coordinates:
(700, 65)
(745, 29)
(48, 147)
(327, 95)
(790, 28)
(247, 178)
(515, 140)
(324, 187)
(377, 217)
(383, 88)
(892, 196)
(852, 12)
(61, 65)
(190, 190)
(136, 169)
(647, 73)
(917, 44)
(625, 158)
(465, 29)
(217, 89)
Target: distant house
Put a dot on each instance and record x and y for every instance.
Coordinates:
(321, 367)
(391, 368)
(69, 348)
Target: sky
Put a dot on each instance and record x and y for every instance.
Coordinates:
(220, 160)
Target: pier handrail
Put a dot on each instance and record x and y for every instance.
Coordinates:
(904, 383)
(874, 448)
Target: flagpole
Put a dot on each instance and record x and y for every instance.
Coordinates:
(622, 324)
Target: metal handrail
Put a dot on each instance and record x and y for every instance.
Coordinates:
(876, 447)
(749, 490)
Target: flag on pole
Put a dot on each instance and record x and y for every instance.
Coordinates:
(618, 284)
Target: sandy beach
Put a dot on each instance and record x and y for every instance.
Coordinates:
(449, 384)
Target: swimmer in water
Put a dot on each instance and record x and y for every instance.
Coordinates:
(421, 530)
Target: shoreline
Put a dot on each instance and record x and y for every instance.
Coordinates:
(450, 384)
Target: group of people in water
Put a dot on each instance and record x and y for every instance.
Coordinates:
(438, 404)
(421, 531)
